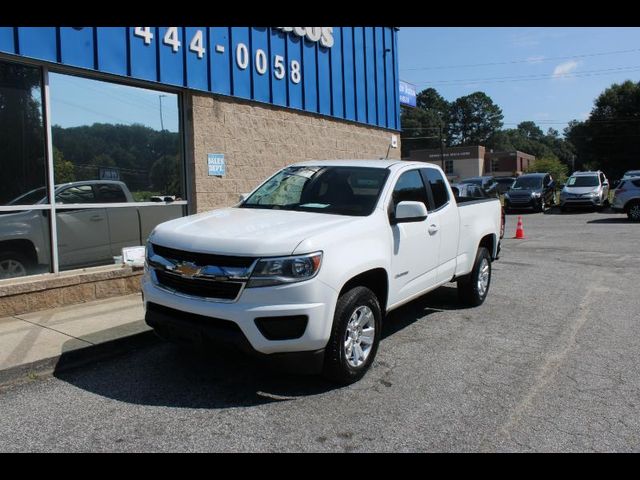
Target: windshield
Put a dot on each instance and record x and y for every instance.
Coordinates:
(338, 190)
(631, 174)
(583, 181)
(475, 181)
(30, 198)
(527, 183)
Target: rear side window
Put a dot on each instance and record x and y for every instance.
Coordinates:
(410, 187)
(438, 186)
(110, 193)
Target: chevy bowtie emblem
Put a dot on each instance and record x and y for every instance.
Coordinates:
(187, 269)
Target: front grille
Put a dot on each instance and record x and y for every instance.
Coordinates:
(199, 287)
(203, 258)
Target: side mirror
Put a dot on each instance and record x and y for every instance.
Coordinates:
(410, 212)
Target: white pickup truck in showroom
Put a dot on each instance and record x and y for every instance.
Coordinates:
(305, 268)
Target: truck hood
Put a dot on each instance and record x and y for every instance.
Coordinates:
(244, 231)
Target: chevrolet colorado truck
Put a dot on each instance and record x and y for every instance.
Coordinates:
(305, 268)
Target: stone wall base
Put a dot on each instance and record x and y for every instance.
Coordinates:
(41, 292)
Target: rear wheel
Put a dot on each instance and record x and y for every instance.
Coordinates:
(14, 264)
(474, 287)
(633, 211)
(355, 336)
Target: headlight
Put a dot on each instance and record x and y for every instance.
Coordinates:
(535, 194)
(594, 194)
(281, 270)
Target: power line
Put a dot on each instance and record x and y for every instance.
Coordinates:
(528, 60)
(516, 78)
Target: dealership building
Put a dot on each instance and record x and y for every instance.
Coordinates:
(107, 131)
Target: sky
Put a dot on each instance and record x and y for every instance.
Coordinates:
(547, 75)
(79, 101)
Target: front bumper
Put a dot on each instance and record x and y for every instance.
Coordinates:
(522, 203)
(312, 299)
(581, 202)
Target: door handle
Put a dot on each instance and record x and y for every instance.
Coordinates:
(96, 218)
(433, 229)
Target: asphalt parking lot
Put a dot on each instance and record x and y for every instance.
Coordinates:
(548, 363)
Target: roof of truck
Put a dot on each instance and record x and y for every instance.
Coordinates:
(360, 163)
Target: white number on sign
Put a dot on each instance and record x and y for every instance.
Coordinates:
(278, 66)
(144, 32)
(196, 44)
(242, 56)
(261, 62)
(171, 38)
(295, 71)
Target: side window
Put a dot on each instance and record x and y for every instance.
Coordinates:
(438, 186)
(77, 194)
(635, 182)
(602, 180)
(410, 187)
(110, 193)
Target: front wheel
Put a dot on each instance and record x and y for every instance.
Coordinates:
(14, 264)
(633, 211)
(355, 336)
(474, 287)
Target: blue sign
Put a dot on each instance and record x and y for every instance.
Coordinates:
(345, 72)
(215, 164)
(407, 94)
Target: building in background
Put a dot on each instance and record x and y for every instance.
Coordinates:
(464, 162)
(107, 131)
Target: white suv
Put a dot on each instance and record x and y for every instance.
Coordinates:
(627, 198)
(585, 189)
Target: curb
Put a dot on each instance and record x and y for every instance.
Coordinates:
(73, 359)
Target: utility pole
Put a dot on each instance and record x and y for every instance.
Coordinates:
(161, 120)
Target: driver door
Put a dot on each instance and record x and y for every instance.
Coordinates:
(414, 256)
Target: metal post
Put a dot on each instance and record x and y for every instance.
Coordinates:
(442, 149)
(46, 100)
(161, 121)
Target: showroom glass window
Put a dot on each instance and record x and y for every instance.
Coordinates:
(25, 244)
(119, 149)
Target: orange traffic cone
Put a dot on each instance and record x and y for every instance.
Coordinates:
(519, 229)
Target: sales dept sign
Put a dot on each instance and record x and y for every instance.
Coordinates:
(215, 164)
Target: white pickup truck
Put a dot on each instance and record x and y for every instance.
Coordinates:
(305, 268)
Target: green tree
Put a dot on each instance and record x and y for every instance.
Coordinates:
(608, 139)
(63, 169)
(552, 165)
(165, 175)
(425, 120)
(473, 119)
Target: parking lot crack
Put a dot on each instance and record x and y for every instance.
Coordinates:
(552, 364)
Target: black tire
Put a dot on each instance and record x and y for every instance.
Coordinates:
(543, 205)
(633, 211)
(468, 290)
(19, 263)
(336, 365)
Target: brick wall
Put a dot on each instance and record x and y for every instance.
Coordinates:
(257, 140)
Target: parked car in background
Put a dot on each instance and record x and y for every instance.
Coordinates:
(585, 189)
(487, 183)
(470, 190)
(504, 184)
(631, 174)
(535, 191)
(626, 198)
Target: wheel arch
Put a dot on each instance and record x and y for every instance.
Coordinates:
(376, 280)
